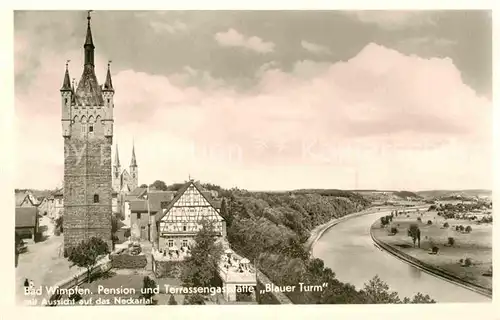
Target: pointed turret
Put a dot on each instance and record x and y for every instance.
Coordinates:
(66, 82)
(117, 158)
(108, 84)
(133, 162)
(89, 44)
(89, 91)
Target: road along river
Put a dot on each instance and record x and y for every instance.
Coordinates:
(349, 251)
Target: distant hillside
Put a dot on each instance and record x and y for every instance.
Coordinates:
(406, 194)
(443, 194)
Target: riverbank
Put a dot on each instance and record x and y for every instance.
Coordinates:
(402, 248)
(318, 231)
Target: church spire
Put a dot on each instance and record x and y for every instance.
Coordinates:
(66, 82)
(133, 162)
(117, 158)
(89, 44)
(108, 84)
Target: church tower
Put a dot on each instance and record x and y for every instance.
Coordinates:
(117, 170)
(134, 170)
(87, 129)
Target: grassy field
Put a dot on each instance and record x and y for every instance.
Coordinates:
(475, 245)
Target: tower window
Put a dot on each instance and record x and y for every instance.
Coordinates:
(65, 100)
(138, 215)
(108, 101)
(183, 228)
(133, 175)
(96, 198)
(91, 128)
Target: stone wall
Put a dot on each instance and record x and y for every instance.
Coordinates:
(87, 172)
(269, 297)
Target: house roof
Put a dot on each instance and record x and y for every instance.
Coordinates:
(157, 197)
(58, 192)
(26, 217)
(138, 192)
(139, 206)
(181, 192)
(22, 197)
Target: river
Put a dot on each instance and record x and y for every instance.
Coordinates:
(348, 250)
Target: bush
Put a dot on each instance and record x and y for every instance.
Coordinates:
(435, 249)
(457, 228)
(468, 229)
(171, 300)
(451, 241)
(419, 219)
(446, 225)
(462, 228)
(429, 222)
(394, 230)
(467, 262)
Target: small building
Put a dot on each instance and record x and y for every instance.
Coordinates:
(27, 225)
(24, 199)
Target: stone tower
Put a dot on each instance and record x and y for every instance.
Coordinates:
(134, 170)
(87, 128)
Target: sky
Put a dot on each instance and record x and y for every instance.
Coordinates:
(269, 100)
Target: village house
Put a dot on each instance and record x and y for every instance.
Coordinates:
(27, 224)
(171, 219)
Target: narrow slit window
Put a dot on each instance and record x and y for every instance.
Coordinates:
(96, 198)
(91, 128)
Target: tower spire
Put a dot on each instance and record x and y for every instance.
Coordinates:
(117, 158)
(108, 84)
(66, 82)
(89, 44)
(133, 162)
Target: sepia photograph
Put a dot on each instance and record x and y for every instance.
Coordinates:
(252, 157)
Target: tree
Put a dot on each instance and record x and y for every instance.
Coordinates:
(377, 291)
(114, 228)
(126, 234)
(87, 253)
(429, 222)
(148, 285)
(446, 225)
(194, 299)
(202, 266)
(394, 230)
(159, 185)
(143, 186)
(451, 241)
(224, 212)
(171, 300)
(468, 229)
(419, 298)
(384, 221)
(59, 223)
(414, 233)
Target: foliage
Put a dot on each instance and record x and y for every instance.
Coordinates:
(377, 292)
(148, 285)
(271, 228)
(126, 234)
(394, 230)
(435, 249)
(468, 229)
(419, 219)
(59, 223)
(414, 233)
(467, 262)
(429, 222)
(446, 225)
(194, 299)
(201, 267)
(75, 297)
(224, 212)
(171, 300)
(87, 253)
(143, 185)
(419, 298)
(159, 185)
(451, 241)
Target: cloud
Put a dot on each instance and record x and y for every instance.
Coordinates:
(400, 121)
(172, 28)
(232, 38)
(314, 48)
(391, 20)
